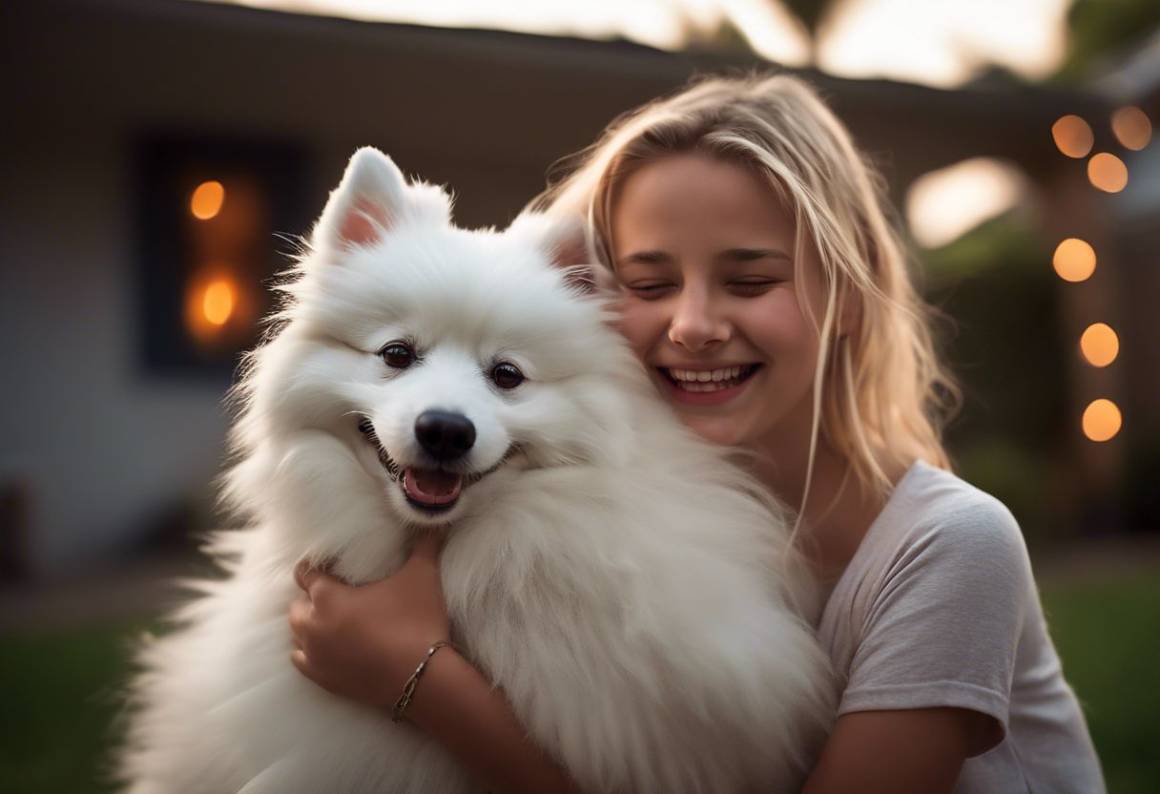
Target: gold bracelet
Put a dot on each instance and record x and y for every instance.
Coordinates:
(412, 682)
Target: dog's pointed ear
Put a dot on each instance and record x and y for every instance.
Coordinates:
(364, 205)
(565, 242)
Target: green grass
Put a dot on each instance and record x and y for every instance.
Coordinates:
(1108, 634)
(60, 698)
(60, 689)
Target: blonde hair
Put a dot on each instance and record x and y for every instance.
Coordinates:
(880, 394)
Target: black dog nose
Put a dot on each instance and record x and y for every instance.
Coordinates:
(445, 436)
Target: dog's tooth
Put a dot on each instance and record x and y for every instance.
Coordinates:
(720, 374)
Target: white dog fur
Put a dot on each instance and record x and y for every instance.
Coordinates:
(632, 592)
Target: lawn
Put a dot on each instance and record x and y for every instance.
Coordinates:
(1108, 635)
(60, 688)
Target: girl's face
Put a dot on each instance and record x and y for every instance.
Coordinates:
(703, 250)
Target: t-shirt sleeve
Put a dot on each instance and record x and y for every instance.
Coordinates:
(944, 623)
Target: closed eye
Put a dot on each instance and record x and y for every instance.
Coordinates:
(753, 286)
(650, 289)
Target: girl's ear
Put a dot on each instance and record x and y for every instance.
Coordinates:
(566, 244)
(364, 205)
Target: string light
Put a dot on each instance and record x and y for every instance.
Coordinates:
(1102, 420)
(1099, 345)
(1073, 136)
(1074, 260)
(1107, 172)
(1132, 127)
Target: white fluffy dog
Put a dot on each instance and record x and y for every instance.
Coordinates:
(629, 589)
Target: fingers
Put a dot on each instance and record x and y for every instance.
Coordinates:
(305, 574)
(301, 611)
(315, 581)
(298, 659)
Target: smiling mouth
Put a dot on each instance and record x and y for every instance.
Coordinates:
(704, 380)
(430, 490)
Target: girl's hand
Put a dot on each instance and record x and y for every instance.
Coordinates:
(364, 642)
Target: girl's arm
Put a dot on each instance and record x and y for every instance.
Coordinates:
(898, 752)
(364, 643)
(459, 708)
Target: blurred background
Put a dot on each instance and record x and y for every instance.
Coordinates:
(160, 156)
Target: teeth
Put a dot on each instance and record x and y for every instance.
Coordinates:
(706, 380)
(705, 375)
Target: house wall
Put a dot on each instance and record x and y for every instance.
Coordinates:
(100, 446)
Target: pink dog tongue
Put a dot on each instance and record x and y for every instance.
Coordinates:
(431, 486)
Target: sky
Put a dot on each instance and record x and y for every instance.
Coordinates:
(934, 42)
(941, 43)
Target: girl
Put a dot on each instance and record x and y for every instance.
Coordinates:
(745, 230)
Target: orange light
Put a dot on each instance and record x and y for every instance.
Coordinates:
(1102, 420)
(1099, 345)
(1107, 172)
(206, 201)
(1074, 260)
(1072, 136)
(217, 302)
(1132, 127)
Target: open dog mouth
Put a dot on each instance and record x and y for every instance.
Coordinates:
(430, 490)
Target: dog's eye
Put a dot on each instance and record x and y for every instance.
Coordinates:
(506, 376)
(398, 355)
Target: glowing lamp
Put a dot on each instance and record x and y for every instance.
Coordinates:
(1099, 345)
(1101, 420)
(1074, 260)
(207, 199)
(1107, 172)
(1072, 136)
(217, 302)
(1132, 127)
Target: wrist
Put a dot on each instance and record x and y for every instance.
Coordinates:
(441, 690)
(398, 654)
(457, 706)
(411, 686)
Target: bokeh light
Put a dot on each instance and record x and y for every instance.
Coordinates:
(1074, 260)
(1101, 420)
(1132, 127)
(1073, 136)
(943, 205)
(1107, 172)
(207, 199)
(217, 302)
(216, 306)
(1099, 345)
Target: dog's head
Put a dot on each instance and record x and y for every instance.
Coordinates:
(445, 359)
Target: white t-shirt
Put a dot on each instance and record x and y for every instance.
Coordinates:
(938, 608)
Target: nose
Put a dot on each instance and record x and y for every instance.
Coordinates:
(444, 435)
(695, 324)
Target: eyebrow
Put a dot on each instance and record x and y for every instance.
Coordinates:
(658, 257)
(752, 254)
(646, 258)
